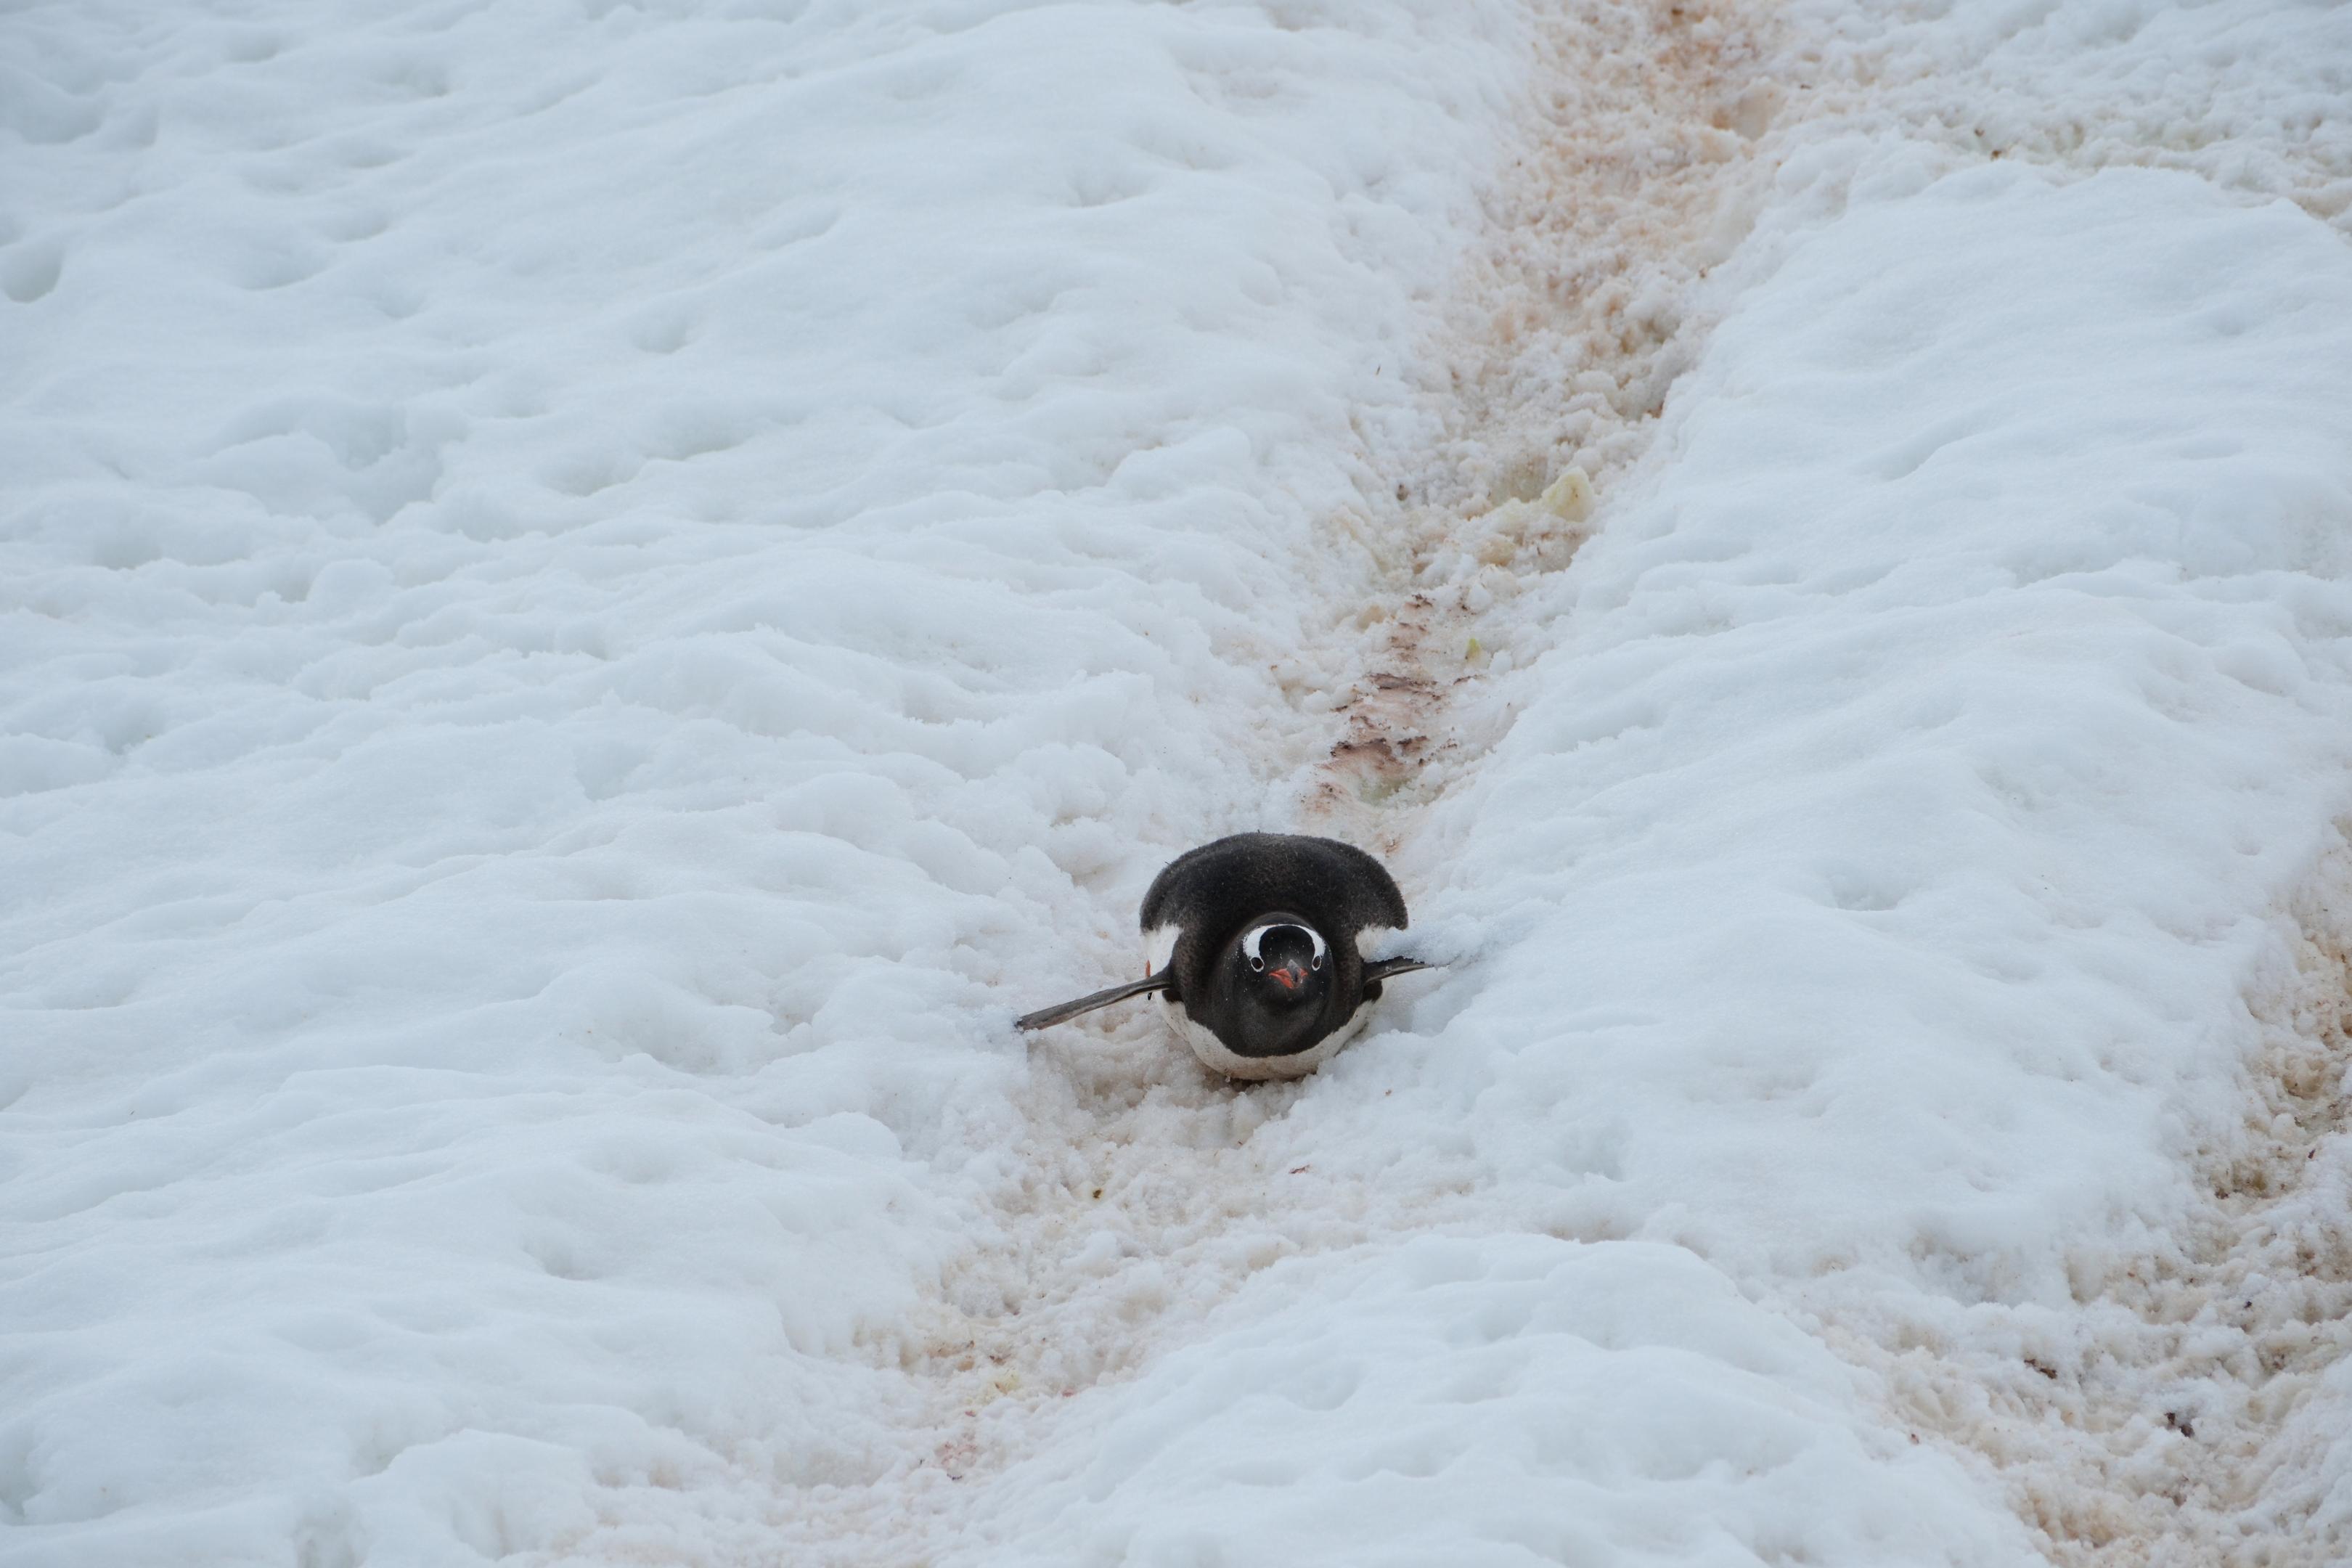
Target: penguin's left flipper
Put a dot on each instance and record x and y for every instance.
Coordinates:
(1046, 1017)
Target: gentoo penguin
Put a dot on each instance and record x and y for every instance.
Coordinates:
(1255, 945)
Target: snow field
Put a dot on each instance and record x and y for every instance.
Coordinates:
(1939, 1223)
(2050, 644)
(1505, 1400)
(605, 594)
(2194, 1418)
(1873, 882)
(1864, 901)
(596, 594)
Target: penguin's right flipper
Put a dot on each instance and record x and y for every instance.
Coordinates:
(1046, 1017)
(1388, 966)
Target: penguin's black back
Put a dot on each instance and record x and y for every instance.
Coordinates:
(1211, 892)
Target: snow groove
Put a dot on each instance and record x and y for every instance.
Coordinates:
(602, 591)
(2188, 1412)
(1639, 169)
(1141, 1203)
(598, 590)
(2161, 1423)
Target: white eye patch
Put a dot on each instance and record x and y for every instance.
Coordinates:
(1257, 960)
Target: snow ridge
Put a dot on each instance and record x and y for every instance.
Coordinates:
(1636, 173)
(1147, 1203)
(601, 592)
(2189, 1408)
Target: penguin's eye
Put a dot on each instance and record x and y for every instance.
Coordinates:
(1258, 964)
(1316, 962)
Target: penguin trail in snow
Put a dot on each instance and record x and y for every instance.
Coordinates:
(1256, 948)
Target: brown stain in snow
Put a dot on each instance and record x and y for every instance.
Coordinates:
(2182, 1413)
(1642, 162)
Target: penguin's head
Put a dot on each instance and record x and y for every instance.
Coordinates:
(1279, 974)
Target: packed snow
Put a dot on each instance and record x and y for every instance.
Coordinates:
(599, 596)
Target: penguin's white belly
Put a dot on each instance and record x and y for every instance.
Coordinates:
(1158, 946)
(1212, 1052)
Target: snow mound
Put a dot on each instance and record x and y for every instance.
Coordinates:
(601, 594)
(1853, 944)
(1871, 887)
(1509, 1400)
(2243, 93)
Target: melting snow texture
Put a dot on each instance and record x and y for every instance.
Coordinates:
(597, 596)
(596, 592)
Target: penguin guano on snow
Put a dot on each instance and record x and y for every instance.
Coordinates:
(1255, 945)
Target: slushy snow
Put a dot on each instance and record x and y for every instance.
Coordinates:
(598, 596)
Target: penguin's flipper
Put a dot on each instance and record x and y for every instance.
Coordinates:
(1388, 966)
(1046, 1017)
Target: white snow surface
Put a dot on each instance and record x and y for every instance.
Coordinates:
(597, 597)
(1928, 743)
(1863, 901)
(1868, 893)
(595, 594)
